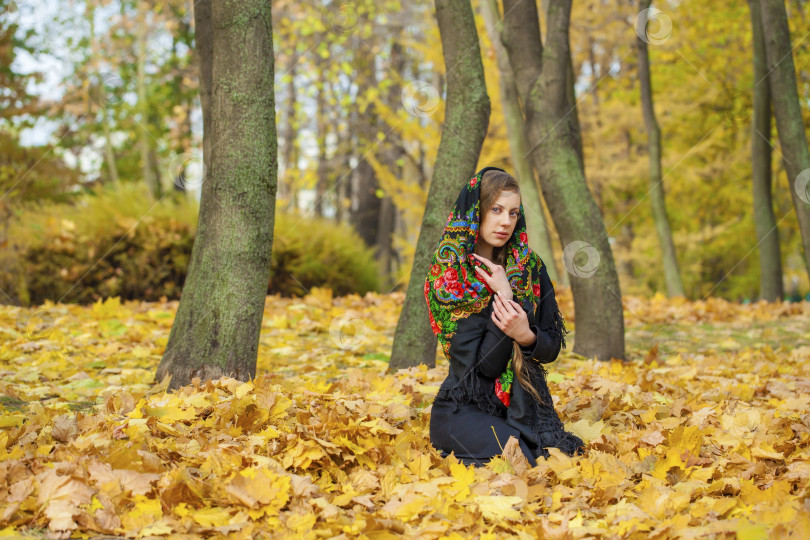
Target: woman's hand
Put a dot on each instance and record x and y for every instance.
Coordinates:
(510, 317)
(497, 281)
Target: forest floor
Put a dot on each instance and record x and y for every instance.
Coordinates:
(703, 432)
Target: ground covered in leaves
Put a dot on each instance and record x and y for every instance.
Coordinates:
(705, 432)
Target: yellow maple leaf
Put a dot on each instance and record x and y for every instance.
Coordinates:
(498, 506)
(260, 487)
(464, 477)
(211, 516)
(146, 512)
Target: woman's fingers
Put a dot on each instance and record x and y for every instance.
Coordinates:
(500, 307)
(489, 264)
(482, 275)
(507, 305)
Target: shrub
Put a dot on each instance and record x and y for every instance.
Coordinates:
(121, 242)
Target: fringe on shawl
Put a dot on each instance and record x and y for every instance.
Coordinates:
(546, 424)
(559, 324)
(472, 388)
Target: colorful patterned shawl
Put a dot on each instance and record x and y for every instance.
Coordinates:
(452, 290)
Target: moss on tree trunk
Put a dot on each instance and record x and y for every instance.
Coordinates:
(216, 330)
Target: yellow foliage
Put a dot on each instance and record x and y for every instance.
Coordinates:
(324, 443)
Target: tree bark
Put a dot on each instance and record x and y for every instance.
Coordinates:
(788, 113)
(544, 78)
(770, 259)
(540, 237)
(216, 330)
(465, 127)
(672, 274)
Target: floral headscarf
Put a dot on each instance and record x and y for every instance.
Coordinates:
(452, 289)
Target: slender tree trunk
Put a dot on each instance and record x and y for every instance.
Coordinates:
(385, 231)
(109, 152)
(465, 126)
(216, 330)
(540, 238)
(365, 212)
(672, 274)
(391, 157)
(788, 113)
(544, 78)
(287, 186)
(343, 179)
(770, 259)
(322, 127)
(144, 141)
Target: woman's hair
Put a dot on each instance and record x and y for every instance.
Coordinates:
(493, 182)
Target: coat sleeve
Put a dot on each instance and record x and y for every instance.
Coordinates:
(495, 350)
(548, 326)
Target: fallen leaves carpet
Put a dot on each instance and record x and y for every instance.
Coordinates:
(703, 433)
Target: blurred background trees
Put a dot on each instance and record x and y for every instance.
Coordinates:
(101, 144)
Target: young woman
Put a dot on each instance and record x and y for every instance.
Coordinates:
(492, 306)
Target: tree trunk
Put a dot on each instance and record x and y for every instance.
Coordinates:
(288, 189)
(538, 231)
(216, 330)
(109, 151)
(788, 113)
(544, 80)
(770, 259)
(465, 127)
(391, 157)
(365, 209)
(366, 206)
(322, 127)
(672, 274)
(144, 141)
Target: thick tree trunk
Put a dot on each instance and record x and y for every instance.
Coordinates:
(788, 113)
(465, 127)
(216, 330)
(544, 78)
(770, 259)
(540, 238)
(672, 274)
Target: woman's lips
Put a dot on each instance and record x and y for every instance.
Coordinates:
(502, 235)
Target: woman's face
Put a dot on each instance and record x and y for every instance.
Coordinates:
(501, 218)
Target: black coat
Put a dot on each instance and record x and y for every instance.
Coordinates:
(479, 352)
